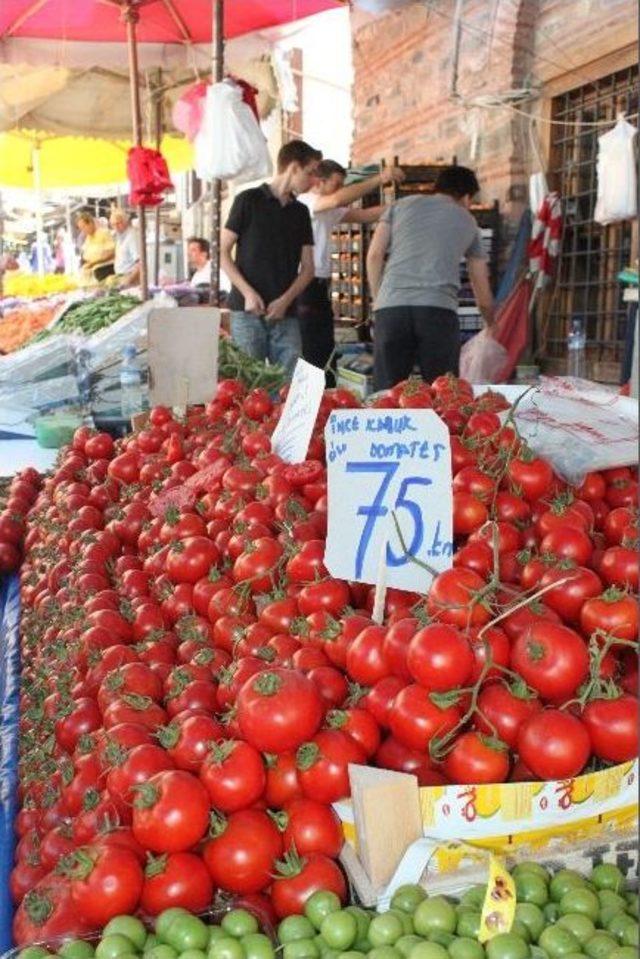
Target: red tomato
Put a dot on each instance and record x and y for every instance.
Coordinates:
(458, 597)
(393, 755)
(47, 914)
(476, 758)
(323, 765)
(242, 854)
(575, 587)
(188, 739)
(170, 812)
(366, 663)
(614, 612)
(553, 660)
(312, 827)
(105, 882)
(283, 785)
(503, 709)
(233, 774)
(359, 724)
(396, 645)
(568, 542)
(179, 880)
(612, 725)
(554, 744)
(620, 567)
(190, 559)
(440, 658)
(416, 720)
(299, 878)
(469, 513)
(531, 477)
(279, 709)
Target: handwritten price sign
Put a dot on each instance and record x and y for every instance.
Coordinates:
(388, 467)
(292, 435)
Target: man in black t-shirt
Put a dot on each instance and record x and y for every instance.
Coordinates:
(272, 234)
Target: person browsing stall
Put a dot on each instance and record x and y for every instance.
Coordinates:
(273, 240)
(329, 202)
(98, 249)
(199, 254)
(423, 239)
(127, 255)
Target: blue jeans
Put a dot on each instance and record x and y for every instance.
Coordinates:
(277, 341)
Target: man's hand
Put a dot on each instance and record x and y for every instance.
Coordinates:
(391, 174)
(253, 303)
(277, 309)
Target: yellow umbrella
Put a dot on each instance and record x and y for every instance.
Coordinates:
(66, 162)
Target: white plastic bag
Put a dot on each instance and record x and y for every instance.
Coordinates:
(482, 358)
(616, 169)
(230, 144)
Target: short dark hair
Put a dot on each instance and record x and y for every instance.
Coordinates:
(328, 168)
(457, 181)
(203, 245)
(296, 151)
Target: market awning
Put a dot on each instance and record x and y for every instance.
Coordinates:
(161, 21)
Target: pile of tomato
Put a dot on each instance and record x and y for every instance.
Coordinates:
(195, 684)
(14, 507)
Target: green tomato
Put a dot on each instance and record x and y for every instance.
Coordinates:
(189, 932)
(609, 899)
(339, 930)
(258, 946)
(193, 954)
(632, 904)
(624, 952)
(538, 953)
(227, 947)
(110, 947)
(165, 919)
(608, 876)
(33, 952)
(294, 928)
(465, 948)
(319, 906)
(435, 915)
(563, 881)
(580, 925)
(301, 949)
(385, 952)
(600, 946)
(408, 898)
(405, 919)
(443, 939)
(558, 942)
(325, 951)
(79, 949)
(150, 942)
(581, 901)
(239, 923)
(474, 897)
(622, 927)
(385, 930)
(551, 912)
(406, 943)
(532, 869)
(352, 954)
(215, 933)
(531, 888)
(161, 951)
(468, 925)
(507, 945)
(429, 950)
(520, 929)
(363, 920)
(630, 936)
(532, 917)
(127, 926)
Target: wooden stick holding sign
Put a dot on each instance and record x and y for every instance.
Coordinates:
(183, 355)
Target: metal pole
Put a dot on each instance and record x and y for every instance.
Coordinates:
(37, 178)
(131, 16)
(217, 74)
(157, 116)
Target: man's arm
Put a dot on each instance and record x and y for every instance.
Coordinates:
(131, 278)
(349, 194)
(376, 256)
(277, 309)
(252, 301)
(479, 279)
(371, 215)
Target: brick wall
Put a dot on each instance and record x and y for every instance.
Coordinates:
(403, 64)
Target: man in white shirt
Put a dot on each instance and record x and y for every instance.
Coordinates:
(127, 256)
(329, 202)
(198, 250)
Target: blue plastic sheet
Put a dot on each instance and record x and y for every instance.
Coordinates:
(9, 718)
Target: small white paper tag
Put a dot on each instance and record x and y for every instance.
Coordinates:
(291, 437)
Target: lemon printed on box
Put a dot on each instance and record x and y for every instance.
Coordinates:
(517, 801)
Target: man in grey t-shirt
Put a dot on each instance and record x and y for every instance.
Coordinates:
(423, 239)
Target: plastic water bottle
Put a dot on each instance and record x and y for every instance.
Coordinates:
(130, 384)
(577, 349)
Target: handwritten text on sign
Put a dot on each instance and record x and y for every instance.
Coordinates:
(384, 464)
(292, 435)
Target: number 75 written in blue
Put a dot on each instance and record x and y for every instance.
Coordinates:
(377, 510)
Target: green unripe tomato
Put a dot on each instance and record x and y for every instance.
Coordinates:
(608, 876)
(319, 906)
(150, 942)
(468, 925)
(474, 897)
(164, 920)
(559, 942)
(464, 948)
(110, 947)
(532, 869)
(580, 925)
(239, 923)
(563, 881)
(531, 888)
(189, 932)
(161, 951)
(600, 946)
(301, 949)
(532, 917)
(407, 898)
(363, 920)
(33, 952)
(294, 928)
(258, 946)
(435, 915)
(339, 930)
(551, 912)
(507, 945)
(227, 947)
(385, 952)
(385, 930)
(405, 944)
(79, 949)
(624, 952)
(428, 950)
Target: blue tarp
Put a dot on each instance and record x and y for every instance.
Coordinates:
(9, 718)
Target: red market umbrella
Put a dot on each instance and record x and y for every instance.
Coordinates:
(183, 22)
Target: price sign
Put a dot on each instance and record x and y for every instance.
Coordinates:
(292, 435)
(389, 477)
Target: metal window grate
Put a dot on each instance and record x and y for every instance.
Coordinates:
(591, 255)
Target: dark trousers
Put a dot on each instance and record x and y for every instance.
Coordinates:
(408, 335)
(315, 316)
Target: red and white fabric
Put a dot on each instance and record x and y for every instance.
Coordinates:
(546, 235)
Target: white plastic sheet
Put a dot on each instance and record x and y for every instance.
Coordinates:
(230, 144)
(482, 358)
(616, 170)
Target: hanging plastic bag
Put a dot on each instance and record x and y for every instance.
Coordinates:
(482, 359)
(616, 170)
(188, 110)
(230, 144)
(148, 176)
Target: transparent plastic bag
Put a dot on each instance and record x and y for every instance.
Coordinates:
(616, 169)
(230, 144)
(482, 358)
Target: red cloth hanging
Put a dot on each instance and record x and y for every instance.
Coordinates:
(148, 176)
(249, 94)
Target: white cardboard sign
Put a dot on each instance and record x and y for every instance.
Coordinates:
(183, 355)
(381, 464)
(292, 435)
